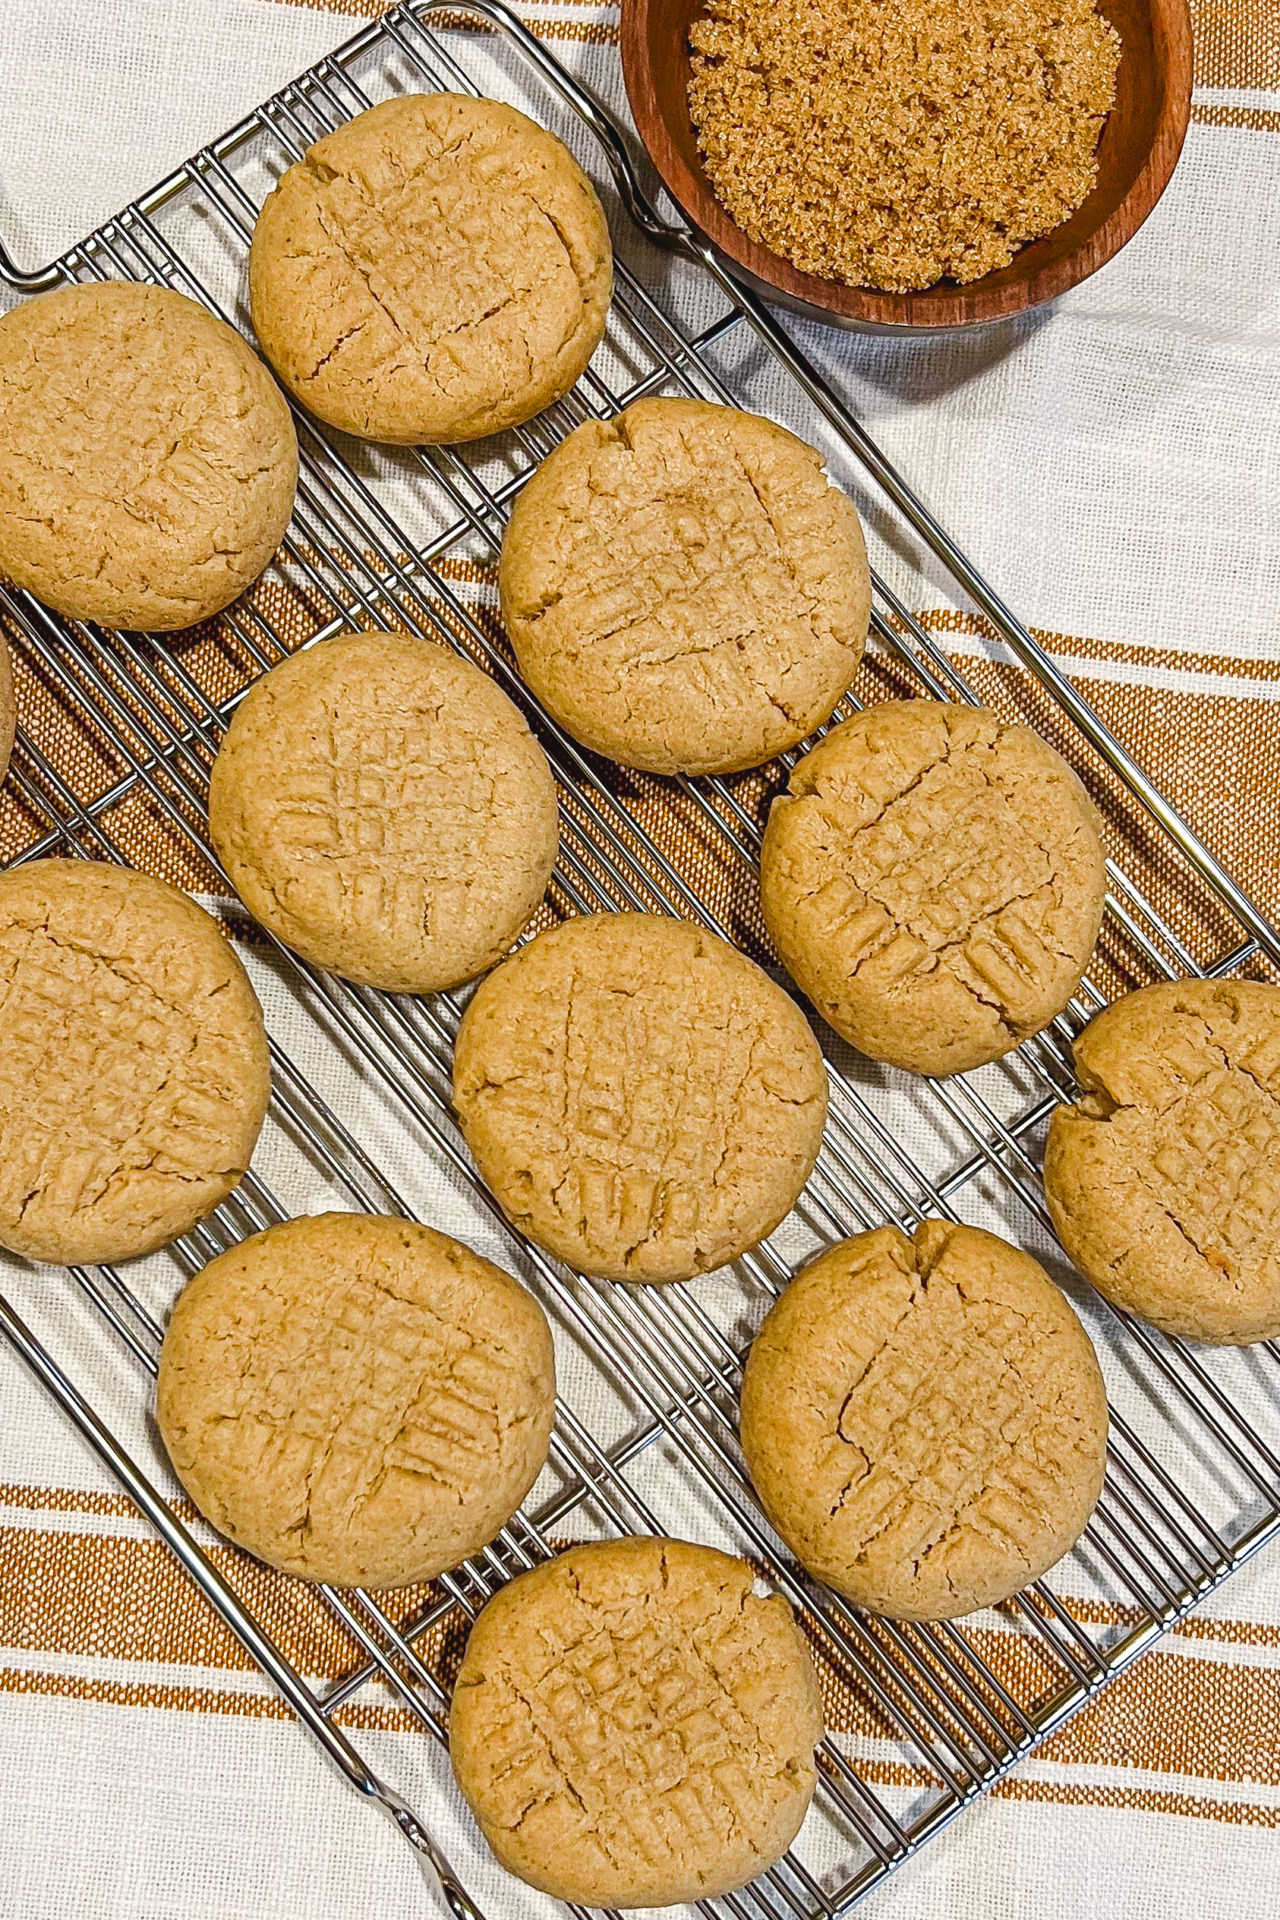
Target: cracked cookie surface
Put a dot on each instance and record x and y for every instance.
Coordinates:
(934, 880)
(1163, 1181)
(134, 1073)
(925, 1420)
(382, 807)
(684, 589)
(437, 269)
(634, 1726)
(356, 1398)
(641, 1098)
(147, 458)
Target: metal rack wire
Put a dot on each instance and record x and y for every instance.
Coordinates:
(397, 543)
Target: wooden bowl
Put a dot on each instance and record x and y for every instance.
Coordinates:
(1136, 154)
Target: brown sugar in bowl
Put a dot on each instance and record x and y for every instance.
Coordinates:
(1137, 152)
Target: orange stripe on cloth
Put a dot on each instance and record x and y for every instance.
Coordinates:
(1122, 652)
(593, 32)
(1069, 1793)
(1236, 1633)
(125, 1599)
(1251, 119)
(251, 1706)
(1197, 1718)
(210, 1700)
(350, 9)
(87, 1597)
(1137, 1799)
(69, 1500)
(1237, 43)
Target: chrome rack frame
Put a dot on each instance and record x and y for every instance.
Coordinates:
(1187, 1499)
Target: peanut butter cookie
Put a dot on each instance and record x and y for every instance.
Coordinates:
(356, 1399)
(1164, 1179)
(684, 588)
(925, 1421)
(133, 1063)
(147, 458)
(934, 880)
(642, 1099)
(435, 270)
(633, 1726)
(381, 806)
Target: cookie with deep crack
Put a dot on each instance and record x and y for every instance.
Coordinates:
(437, 269)
(934, 880)
(1163, 1180)
(925, 1420)
(381, 806)
(641, 1098)
(634, 1726)
(685, 590)
(147, 458)
(134, 1072)
(356, 1398)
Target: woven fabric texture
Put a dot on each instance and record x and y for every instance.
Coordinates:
(1114, 466)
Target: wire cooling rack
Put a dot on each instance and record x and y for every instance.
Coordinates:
(924, 1718)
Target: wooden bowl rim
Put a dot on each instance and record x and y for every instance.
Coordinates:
(932, 310)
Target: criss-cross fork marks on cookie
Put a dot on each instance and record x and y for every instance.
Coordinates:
(935, 881)
(354, 820)
(1218, 1153)
(133, 1065)
(111, 1076)
(356, 1399)
(635, 1724)
(1164, 1180)
(925, 1421)
(684, 588)
(437, 269)
(643, 1100)
(382, 807)
(147, 459)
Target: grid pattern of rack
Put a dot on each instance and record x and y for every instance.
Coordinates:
(399, 544)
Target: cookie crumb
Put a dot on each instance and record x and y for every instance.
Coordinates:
(895, 143)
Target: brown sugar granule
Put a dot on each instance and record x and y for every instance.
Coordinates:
(890, 143)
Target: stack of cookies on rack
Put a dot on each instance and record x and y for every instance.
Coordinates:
(363, 1400)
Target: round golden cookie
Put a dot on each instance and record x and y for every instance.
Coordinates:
(934, 880)
(685, 590)
(381, 806)
(134, 1073)
(1163, 1181)
(925, 1420)
(355, 1398)
(437, 269)
(147, 458)
(633, 1726)
(642, 1100)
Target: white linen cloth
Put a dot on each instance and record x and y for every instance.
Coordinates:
(1115, 465)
